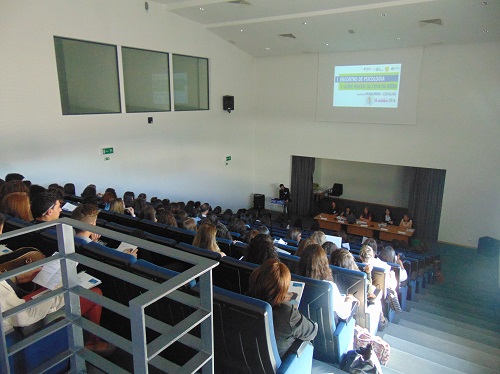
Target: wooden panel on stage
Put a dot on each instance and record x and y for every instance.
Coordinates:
(389, 233)
(356, 229)
(328, 222)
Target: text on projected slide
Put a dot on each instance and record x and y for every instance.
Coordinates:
(367, 86)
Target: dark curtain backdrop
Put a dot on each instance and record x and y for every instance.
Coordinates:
(301, 188)
(426, 200)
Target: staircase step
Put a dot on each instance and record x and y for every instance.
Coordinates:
(469, 359)
(408, 363)
(461, 306)
(414, 358)
(416, 313)
(472, 339)
(459, 317)
(467, 306)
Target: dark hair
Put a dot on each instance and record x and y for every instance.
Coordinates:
(302, 246)
(12, 186)
(264, 230)
(260, 249)
(69, 189)
(42, 202)
(270, 282)
(13, 177)
(128, 197)
(313, 263)
(148, 212)
(329, 247)
(344, 259)
(372, 243)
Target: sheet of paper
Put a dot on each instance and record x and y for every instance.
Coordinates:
(123, 246)
(87, 281)
(295, 293)
(50, 276)
(69, 207)
(337, 240)
(346, 246)
(4, 249)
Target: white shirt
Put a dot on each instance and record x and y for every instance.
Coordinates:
(9, 299)
(341, 307)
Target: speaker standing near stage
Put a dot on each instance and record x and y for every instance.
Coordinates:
(285, 196)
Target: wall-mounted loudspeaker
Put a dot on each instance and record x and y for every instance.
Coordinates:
(228, 103)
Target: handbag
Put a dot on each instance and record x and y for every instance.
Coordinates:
(392, 296)
(363, 337)
(362, 360)
(19, 257)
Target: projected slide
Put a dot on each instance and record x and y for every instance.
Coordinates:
(367, 86)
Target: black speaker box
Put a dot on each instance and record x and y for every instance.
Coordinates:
(488, 246)
(259, 201)
(228, 103)
(338, 189)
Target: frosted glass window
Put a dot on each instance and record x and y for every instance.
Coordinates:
(190, 82)
(88, 77)
(146, 80)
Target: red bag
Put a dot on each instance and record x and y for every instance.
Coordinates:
(362, 337)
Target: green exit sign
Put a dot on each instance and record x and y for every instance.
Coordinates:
(108, 151)
(228, 158)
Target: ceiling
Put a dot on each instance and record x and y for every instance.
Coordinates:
(320, 26)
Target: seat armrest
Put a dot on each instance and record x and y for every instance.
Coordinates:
(292, 363)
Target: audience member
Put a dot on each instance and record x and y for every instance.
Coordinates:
(329, 247)
(318, 237)
(222, 231)
(206, 238)
(250, 235)
(260, 249)
(148, 213)
(314, 264)
(128, 198)
(344, 259)
(14, 177)
(270, 282)
(302, 245)
(167, 217)
(238, 226)
(13, 186)
(295, 234)
(69, 189)
(45, 207)
(190, 224)
(17, 204)
(387, 254)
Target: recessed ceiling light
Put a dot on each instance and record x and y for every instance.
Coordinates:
(398, 38)
(383, 15)
(485, 3)
(240, 30)
(327, 44)
(304, 23)
(351, 31)
(267, 48)
(202, 8)
(485, 31)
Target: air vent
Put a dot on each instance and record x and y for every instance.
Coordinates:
(291, 36)
(240, 2)
(434, 21)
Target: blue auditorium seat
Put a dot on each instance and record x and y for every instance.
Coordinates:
(244, 338)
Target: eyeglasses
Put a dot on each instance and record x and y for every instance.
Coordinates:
(51, 207)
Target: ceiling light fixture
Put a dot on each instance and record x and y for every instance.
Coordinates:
(398, 38)
(485, 31)
(240, 30)
(485, 3)
(327, 44)
(383, 15)
(304, 23)
(202, 8)
(267, 48)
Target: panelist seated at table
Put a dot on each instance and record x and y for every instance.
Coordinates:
(388, 219)
(406, 222)
(366, 216)
(333, 209)
(349, 214)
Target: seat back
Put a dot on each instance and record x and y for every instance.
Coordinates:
(290, 261)
(199, 251)
(180, 234)
(233, 274)
(155, 228)
(244, 338)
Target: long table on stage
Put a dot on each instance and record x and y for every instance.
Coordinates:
(368, 229)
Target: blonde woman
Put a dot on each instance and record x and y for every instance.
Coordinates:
(205, 238)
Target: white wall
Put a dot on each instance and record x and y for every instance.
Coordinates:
(182, 155)
(363, 181)
(457, 130)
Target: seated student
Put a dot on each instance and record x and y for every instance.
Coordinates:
(9, 300)
(87, 213)
(118, 206)
(314, 264)
(295, 234)
(190, 224)
(318, 237)
(302, 246)
(344, 259)
(387, 254)
(17, 204)
(375, 261)
(366, 216)
(406, 222)
(270, 282)
(329, 247)
(45, 207)
(148, 213)
(260, 249)
(367, 256)
(388, 217)
(222, 230)
(206, 238)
